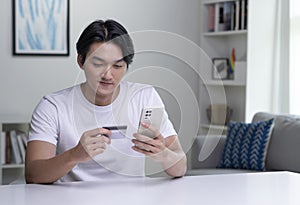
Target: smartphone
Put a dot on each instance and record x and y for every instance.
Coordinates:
(151, 116)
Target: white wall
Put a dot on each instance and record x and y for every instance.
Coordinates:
(24, 80)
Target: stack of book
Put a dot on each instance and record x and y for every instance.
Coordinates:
(12, 146)
(227, 16)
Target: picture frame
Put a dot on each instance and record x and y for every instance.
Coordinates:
(220, 68)
(41, 27)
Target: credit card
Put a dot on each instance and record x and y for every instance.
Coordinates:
(117, 132)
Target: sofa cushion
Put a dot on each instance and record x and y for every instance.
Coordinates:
(283, 152)
(246, 145)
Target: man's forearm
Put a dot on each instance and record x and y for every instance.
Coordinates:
(176, 164)
(49, 170)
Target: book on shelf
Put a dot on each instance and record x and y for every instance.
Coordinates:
(2, 146)
(211, 18)
(16, 153)
(242, 14)
(221, 20)
(21, 145)
(237, 15)
(227, 16)
(217, 17)
(245, 14)
(13, 147)
(7, 148)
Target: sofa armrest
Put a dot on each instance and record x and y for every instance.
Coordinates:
(207, 151)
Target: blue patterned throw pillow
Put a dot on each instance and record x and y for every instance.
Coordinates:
(246, 145)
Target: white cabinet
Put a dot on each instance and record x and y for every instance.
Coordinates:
(218, 42)
(11, 171)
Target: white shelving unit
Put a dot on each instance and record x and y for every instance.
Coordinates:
(225, 33)
(12, 172)
(219, 128)
(231, 83)
(232, 92)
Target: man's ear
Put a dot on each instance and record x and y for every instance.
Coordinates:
(79, 61)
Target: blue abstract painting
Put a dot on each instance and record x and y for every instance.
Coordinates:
(41, 27)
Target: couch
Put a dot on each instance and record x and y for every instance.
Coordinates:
(283, 152)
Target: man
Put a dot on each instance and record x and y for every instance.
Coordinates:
(68, 141)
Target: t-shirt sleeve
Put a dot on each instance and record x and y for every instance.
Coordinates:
(44, 123)
(166, 128)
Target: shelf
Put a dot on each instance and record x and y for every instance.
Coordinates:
(225, 33)
(223, 27)
(12, 171)
(215, 127)
(223, 83)
(12, 166)
(215, 1)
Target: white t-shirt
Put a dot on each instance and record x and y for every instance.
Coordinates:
(62, 117)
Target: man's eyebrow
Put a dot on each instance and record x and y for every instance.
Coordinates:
(101, 59)
(98, 58)
(120, 60)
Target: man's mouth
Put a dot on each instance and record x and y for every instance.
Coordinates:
(104, 83)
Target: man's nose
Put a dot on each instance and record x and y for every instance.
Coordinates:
(107, 72)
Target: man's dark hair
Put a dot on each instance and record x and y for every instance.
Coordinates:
(105, 31)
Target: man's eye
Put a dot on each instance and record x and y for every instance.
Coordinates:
(98, 65)
(118, 66)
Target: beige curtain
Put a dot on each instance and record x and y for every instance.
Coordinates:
(294, 56)
(268, 58)
(280, 81)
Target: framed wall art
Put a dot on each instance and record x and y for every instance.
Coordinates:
(220, 68)
(41, 27)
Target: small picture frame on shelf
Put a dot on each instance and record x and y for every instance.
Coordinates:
(220, 68)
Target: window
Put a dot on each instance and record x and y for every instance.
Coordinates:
(294, 56)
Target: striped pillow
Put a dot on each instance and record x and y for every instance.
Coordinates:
(246, 145)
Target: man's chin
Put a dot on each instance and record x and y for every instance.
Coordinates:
(106, 90)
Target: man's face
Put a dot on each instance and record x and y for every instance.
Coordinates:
(104, 68)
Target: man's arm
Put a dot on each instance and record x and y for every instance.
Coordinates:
(43, 166)
(167, 151)
(175, 162)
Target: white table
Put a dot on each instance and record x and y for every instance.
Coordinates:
(253, 188)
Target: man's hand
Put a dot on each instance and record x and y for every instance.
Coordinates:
(92, 143)
(153, 147)
(167, 151)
